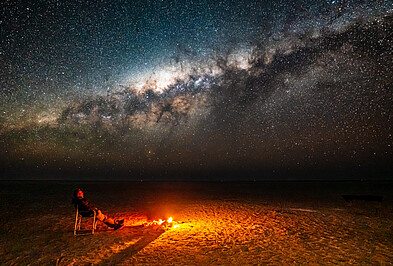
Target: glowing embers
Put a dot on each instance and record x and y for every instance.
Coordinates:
(155, 222)
(167, 223)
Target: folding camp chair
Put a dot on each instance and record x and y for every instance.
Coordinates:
(83, 214)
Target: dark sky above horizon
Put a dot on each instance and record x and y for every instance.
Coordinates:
(197, 88)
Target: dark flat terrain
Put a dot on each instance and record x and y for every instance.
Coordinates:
(219, 223)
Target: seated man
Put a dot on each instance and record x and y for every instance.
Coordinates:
(86, 206)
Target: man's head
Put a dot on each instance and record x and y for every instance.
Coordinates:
(78, 193)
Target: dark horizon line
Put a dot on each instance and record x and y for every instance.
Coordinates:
(197, 180)
(370, 172)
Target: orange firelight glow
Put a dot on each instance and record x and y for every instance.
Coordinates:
(160, 222)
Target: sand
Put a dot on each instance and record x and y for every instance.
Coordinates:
(219, 223)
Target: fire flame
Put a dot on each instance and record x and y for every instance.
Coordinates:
(160, 222)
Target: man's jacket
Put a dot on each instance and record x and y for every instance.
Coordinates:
(84, 205)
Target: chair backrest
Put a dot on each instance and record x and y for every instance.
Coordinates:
(84, 213)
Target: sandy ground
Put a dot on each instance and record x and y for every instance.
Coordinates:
(231, 224)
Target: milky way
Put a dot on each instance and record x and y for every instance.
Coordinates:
(219, 90)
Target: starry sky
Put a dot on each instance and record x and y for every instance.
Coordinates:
(210, 90)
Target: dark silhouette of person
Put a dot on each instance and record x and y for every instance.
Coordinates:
(86, 206)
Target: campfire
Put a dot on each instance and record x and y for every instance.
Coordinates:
(168, 223)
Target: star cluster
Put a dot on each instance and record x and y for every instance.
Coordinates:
(245, 89)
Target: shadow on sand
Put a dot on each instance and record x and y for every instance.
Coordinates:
(148, 237)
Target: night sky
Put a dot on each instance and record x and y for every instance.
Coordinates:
(213, 90)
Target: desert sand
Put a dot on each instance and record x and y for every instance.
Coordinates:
(218, 223)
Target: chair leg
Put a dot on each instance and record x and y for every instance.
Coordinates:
(94, 223)
(76, 222)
